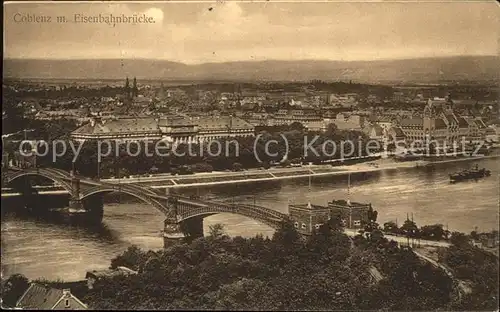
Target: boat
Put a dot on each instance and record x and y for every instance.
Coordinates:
(471, 174)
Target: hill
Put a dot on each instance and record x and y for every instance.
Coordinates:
(471, 68)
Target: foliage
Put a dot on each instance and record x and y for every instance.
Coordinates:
(391, 227)
(132, 258)
(473, 264)
(409, 229)
(216, 230)
(12, 289)
(324, 271)
(237, 167)
(432, 232)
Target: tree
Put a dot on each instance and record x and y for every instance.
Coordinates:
(391, 227)
(409, 229)
(296, 126)
(331, 129)
(432, 232)
(286, 234)
(216, 230)
(237, 166)
(371, 223)
(459, 239)
(132, 258)
(202, 167)
(12, 116)
(13, 289)
(285, 163)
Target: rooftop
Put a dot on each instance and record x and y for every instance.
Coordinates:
(309, 206)
(440, 124)
(212, 123)
(119, 126)
(175, 121)
(110, 272)
(40, 297)
(409, 122)
(375, 274)
(398, 131)
(342, 202)
(462, 123)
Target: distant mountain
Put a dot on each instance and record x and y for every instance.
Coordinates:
(474, 68)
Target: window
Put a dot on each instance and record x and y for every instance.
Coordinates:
(303, 226)
(66, 303)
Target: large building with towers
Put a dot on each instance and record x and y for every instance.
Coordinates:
(174, 129)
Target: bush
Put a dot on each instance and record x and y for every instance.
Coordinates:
(202, 167)
(237, 167)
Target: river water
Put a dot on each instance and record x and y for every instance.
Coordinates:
(55, 251)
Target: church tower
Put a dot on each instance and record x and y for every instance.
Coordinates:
(134, 88)
(127, 88)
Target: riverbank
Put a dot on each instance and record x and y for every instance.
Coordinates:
(258, 175)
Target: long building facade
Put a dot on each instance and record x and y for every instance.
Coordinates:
(175, 129)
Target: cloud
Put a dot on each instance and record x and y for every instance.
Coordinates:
(230, 31)
(225, 21)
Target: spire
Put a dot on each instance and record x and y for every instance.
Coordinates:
(127, 88)
(134, 88)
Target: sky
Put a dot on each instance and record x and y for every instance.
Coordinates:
(203, 32)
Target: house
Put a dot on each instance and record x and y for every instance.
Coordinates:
(42, 297)
(375, 275)
(94, 276)
(375, 132)
(349, 122)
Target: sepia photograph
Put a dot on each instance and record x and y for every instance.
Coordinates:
(250, 155)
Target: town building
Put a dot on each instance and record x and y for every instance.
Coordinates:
(96, 275)
(492, 134)
(374, 275)
(307, 117)
(440, 124)
(342, 100)
(316, 126)
(177, 129)
(118, 129)
(212, 128)
(354, 215)
(345, 121)
(376, 132)
(308, 217)
(42, 297)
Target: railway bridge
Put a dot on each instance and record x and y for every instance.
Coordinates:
(183, 215)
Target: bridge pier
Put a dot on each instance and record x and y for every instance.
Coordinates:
(172, 232)
(188, 229)
(88, 211)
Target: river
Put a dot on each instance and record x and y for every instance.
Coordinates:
(55, 251)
